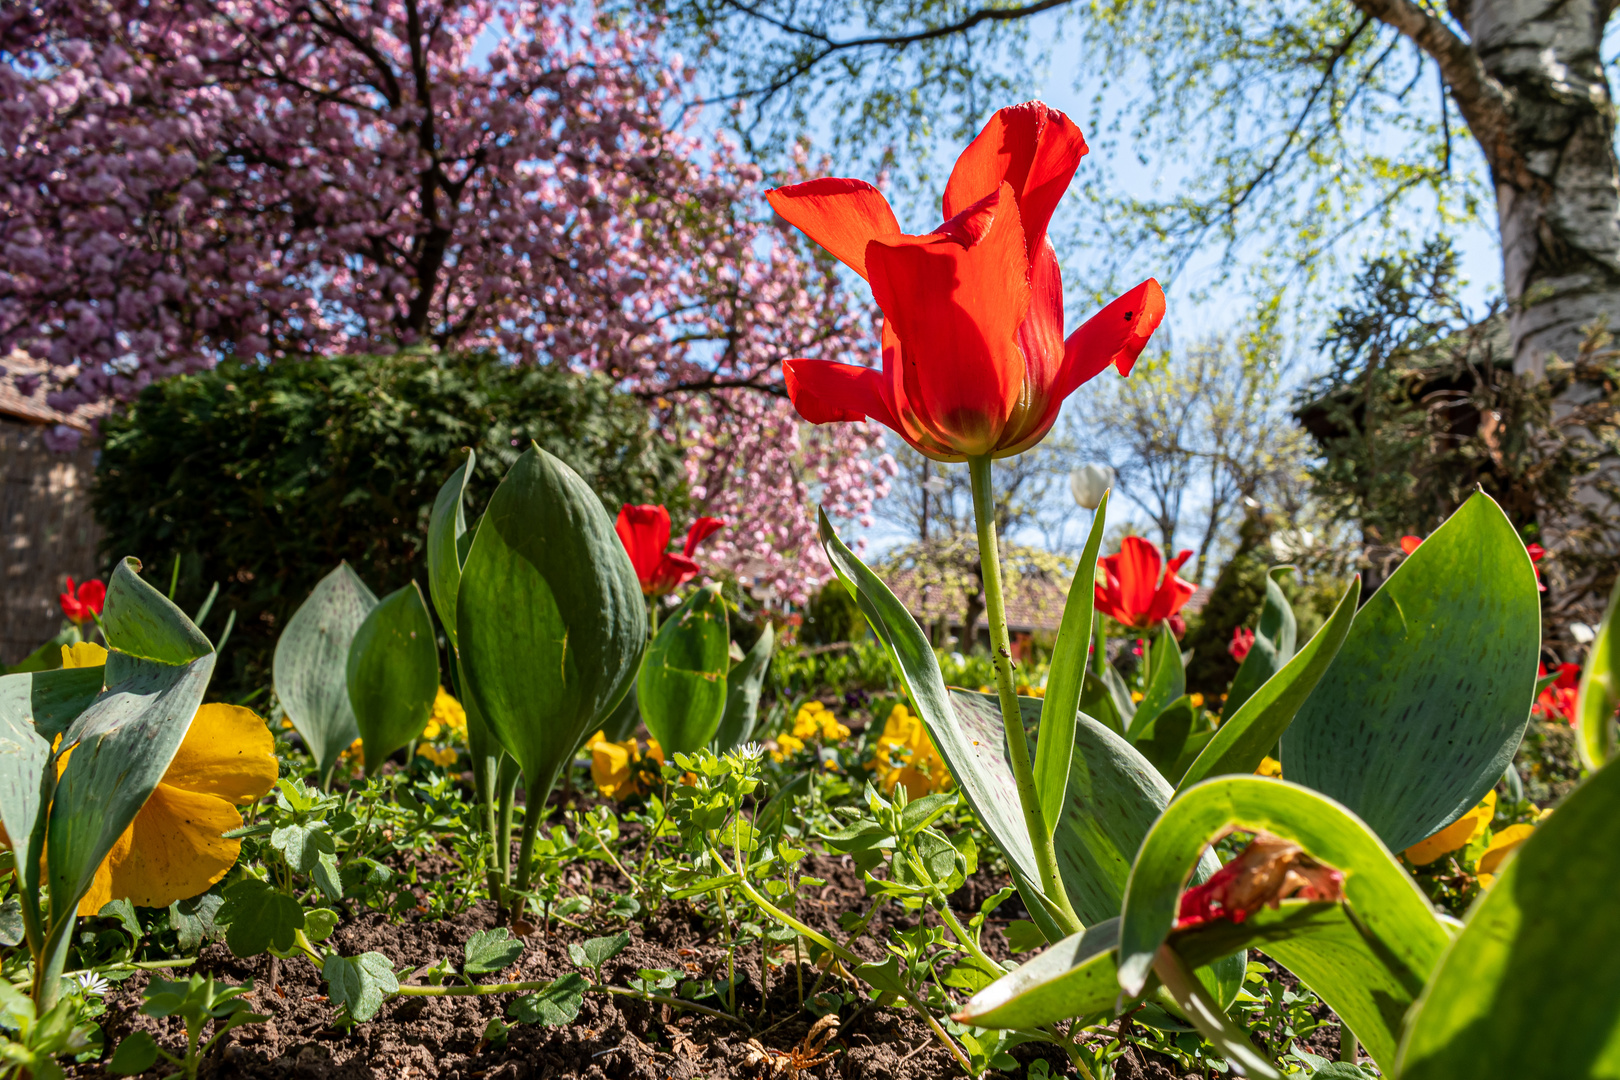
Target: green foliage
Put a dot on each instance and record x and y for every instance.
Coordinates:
(263, 476)
(831, 616)
(489, 951)
(357, 984)
(312, 662)
(681, 689)
(392, 673)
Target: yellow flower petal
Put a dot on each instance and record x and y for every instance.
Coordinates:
(1501, 846)
(1459, 834)
(83, 654)
(176, 850)
(228, 752)
(1269, 766)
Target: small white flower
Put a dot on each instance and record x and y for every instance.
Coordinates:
(751, 750)
(1582, 633)
(91, 984)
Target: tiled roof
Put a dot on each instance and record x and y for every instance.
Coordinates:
(32, 407)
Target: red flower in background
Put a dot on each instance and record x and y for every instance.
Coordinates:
(974, 360)
(1267, 872)
(1242, 642)
(83, 603)
(1557, 702)
(1536, 552)
(1130, 590)
(644, 531)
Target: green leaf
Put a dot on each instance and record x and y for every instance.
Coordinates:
(51, 700)
(1239, 744)
(445, 529)
(555, 1005)
(135, 1054)
(258, 916)
(1369, 976)
(1599, 695)
(1273, 644)
(48, 657)
(25, 785)
(1077, 977)
(358, 984)
(1422, 710)
(11, 922)
(123, 743)
(551, 620)
(393, 674)
(319, 923)
(195, 921)
(1167, 682)
(1067, 676)
(489, 951)
(1163, 738)
(1529, 986)
(682, 686)
(743, 685)
(594, 952)
(141, 622)
(311, 664)
(1097, 700)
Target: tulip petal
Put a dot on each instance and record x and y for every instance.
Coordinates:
(1031, 146)
(644, 531)
(956, 312)
(1137, 566)
(1040, 336)
(228, 752)
(671, 573)
(826, 392)
(1115, 335)
(701, 530)
(841, 215)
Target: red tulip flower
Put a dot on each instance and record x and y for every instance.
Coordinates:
(1130, 590)
(1410, 544)
(1557, 702)
(644, 531)
(82, 603)
(1264, 874)
(1242, 642)
(974, 360)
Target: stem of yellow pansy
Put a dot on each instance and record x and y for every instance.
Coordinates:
(995, 609)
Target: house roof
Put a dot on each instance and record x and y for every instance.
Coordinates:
(18, 368)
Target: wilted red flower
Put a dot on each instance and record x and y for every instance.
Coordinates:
(1557, 702)
(974, 360)
(644, 531)
(1242, 642)
(83, 603)
(1536, 552)
(1267, 872)
(1130, 590)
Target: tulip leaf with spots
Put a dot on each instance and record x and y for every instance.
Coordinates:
(1529, 986)
(682, 686)
(1422, 710)
(393, 674)
(311, 664)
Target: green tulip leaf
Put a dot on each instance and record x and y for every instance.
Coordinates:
(621, 722)
(1099, 700)
(1167, 681)
(743, 686)
(393, 674)
(551, 621)
(25, 785)
(51, 700)
(311, 664)
(1243, 741)
(1273, 644)
(1076, 977)
(1599, 695)
(444, 556)
(1368, 965)
(682, 686)
(1163, 738)
(124, 741)
(1421, 712)
(1531, 987)
(1067, 676)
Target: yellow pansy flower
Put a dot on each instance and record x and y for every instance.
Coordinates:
(906, 756)
(613, 765)
(1136, 696)
(442, 757)
(786, 746)
(173, 849)
(1197, 702)
(1459, 834)
(1269, 766)
(1501, 846)
(813, 719)
(448, 717)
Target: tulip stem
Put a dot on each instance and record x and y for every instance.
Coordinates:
(1040, 833)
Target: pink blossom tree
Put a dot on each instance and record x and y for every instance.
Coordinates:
(265, 178)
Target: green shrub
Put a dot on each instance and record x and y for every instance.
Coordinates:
(263, 477)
